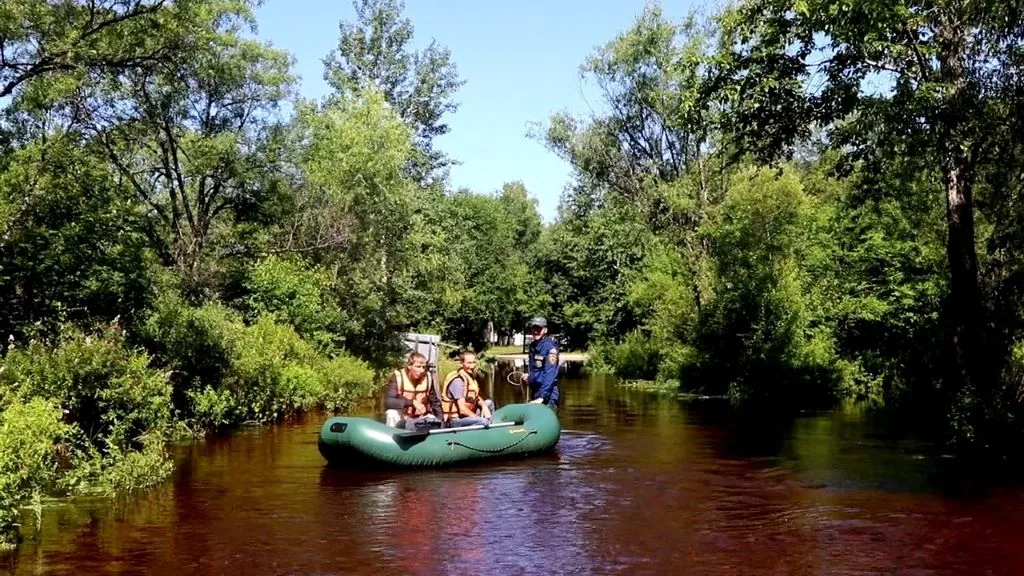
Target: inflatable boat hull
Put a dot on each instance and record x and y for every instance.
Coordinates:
(516, 429)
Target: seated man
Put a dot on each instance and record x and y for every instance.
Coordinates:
(460, 397)
(411, 398)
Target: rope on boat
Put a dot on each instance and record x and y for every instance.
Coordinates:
(453, 443)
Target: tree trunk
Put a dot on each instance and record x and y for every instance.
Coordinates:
(965, 294)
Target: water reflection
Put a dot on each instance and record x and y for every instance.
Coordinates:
(640, 483)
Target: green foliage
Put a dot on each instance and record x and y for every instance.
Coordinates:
(293, 294)
(586, 260)
(929, 85)
(661, 294)
(889, 277)
(354, 211)
(107, 389)
(274, 372)
(493, 242)
(637, 357)
(265, 265)
(30, 462)
(84, 414)
(373, 53)
(70, 250)
(198, 126)
(823, 281)
(44, 40)
(757, 337)
(226, 372)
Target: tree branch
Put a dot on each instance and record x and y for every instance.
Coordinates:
(56, 61)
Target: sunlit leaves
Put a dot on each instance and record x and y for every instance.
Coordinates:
(374, 53)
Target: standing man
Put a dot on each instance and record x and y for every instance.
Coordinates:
(411, 399)
(461, 401)
(543, 361)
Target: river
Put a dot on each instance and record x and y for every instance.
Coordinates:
(640, 483)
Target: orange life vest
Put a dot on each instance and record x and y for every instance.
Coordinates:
(406, 389)
(448, 405)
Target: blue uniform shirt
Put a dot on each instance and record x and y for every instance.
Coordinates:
(543, 361)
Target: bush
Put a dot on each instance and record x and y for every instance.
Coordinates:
(107, 391)
(32, 438)
(275, 372)
(639, 357)
(88, 413)
(194, 343)
(675, 359)
(227, 372)
(293, 294)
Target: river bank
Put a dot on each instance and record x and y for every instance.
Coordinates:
(92, 413)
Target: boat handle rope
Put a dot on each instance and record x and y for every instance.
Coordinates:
(453, 443)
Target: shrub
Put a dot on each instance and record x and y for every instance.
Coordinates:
(293, 294)
(107, 390)
(637, 357)
(227, 372)
(32, 437)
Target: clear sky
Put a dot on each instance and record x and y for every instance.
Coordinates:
(520, 60)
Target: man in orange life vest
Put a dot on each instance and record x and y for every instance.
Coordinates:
(411, 398)
(461, 401)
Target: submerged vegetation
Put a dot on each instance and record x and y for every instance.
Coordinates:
(788, 204)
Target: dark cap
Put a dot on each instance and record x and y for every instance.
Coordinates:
(538, 321)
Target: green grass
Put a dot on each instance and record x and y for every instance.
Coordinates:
(496, 350)
(650, 385)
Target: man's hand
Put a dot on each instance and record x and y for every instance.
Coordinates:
(419, 407)
(537, 401)
(485, 412)
(524, 376)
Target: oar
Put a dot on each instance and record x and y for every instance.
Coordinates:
(425, 433)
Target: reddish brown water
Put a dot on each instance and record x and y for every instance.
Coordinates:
(640, 484)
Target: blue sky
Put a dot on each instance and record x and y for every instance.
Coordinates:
(520, 60)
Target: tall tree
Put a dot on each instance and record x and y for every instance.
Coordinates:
(659, 124)
(186, 138)
(495, 239)
(937, 74)
(354, 211)
(646, 166)
(375, 52)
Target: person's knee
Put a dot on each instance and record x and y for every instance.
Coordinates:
(393, 418)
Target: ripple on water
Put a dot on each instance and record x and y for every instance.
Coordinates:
(575, 445)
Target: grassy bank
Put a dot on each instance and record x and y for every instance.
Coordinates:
(93, 413)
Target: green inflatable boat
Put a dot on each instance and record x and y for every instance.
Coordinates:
(516, 429)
